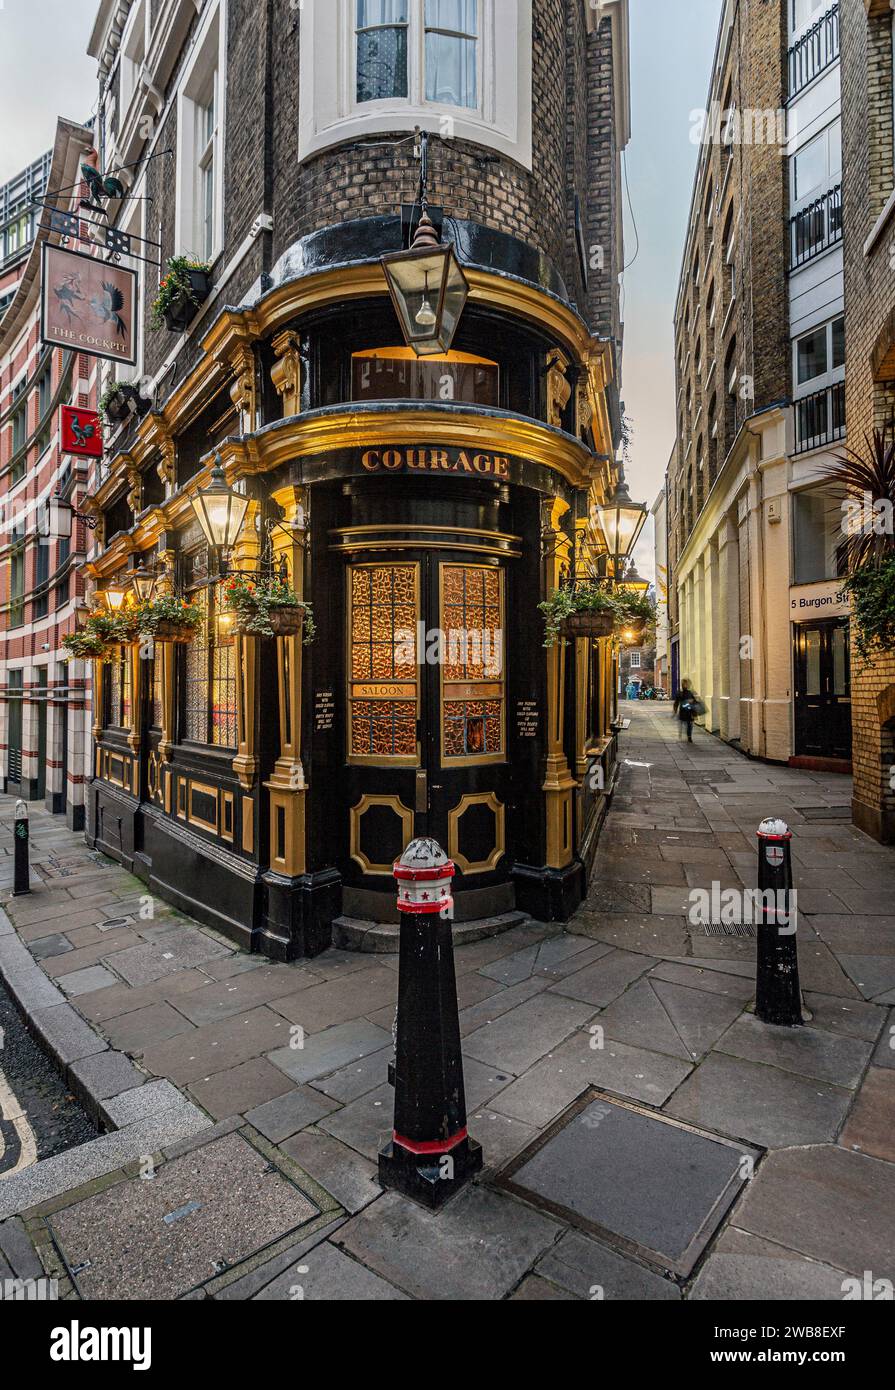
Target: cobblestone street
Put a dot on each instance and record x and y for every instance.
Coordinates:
(263, 1181)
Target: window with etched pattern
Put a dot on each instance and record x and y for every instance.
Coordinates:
(383, 671)
(157, 705)
(120, 703)
(209, 677)
(473, 687)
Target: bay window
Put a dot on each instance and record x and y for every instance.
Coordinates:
(460, 67)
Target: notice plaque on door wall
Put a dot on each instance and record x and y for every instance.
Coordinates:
(324, 711)
(528, 718)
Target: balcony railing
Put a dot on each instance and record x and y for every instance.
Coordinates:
(816, 228)
(820, 418)
(815, 51)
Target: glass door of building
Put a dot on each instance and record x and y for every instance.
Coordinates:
(822, 690)
(426, 714)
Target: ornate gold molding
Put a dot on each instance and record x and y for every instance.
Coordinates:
(559, 390)
(286, 371)
(480, 866)
(404, 814)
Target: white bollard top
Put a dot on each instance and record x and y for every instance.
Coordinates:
(21, 810)
(424, 854)
(775, 829)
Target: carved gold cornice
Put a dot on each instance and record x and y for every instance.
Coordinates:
(226, 349)
(306, 436)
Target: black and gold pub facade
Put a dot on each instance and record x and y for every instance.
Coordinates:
(423, 506)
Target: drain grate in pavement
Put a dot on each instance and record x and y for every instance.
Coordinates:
(728, 929)
(646, 1184)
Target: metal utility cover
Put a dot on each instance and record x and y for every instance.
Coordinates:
(648, 1185)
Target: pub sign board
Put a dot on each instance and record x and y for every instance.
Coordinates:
(88, 305)
(81, 432)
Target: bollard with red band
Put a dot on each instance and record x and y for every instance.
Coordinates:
(430, 1155)
(778, 998)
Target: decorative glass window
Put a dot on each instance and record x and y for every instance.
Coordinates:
(157, 694)
(452, 52)
(209, 672)
(382, 49)
(383, 674)
(473, 680)
(119, 686)
(388, 374)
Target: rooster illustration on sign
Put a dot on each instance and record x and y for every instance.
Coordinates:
(107, 307)
(68, 294)
(82, 433)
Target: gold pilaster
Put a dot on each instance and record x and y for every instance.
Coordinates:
(166, 652)
(287, 786)
(98, 692)
(133, 657)
(246, 557)
(558, 781)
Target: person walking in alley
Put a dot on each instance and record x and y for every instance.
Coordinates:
(687, 706)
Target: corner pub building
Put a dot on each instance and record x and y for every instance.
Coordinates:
(267, 785)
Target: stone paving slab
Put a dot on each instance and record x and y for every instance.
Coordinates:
(743, 1267)
(517, 1040)
(217, 1046)
(286, 1114)
(808, 1051)
(347, 1176)
(134, 1032)
(85, 981)
(589, 1270)
(831, 1205)
(330, 1049)
(478, 1247)
(240, 1089)
(760, 1104)
(603, 981)
(329, 1274)
(870, 1128)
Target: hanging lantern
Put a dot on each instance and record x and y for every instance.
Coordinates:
(112, 599)
(428, 289)
(219, 510)
(621, 522)
(635, 582)
(144, 583)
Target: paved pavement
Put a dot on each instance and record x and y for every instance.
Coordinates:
(277, 1077)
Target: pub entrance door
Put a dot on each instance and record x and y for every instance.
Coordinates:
(822, 689)
(425, 720)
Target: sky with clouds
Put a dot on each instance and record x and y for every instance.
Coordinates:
(45, 72)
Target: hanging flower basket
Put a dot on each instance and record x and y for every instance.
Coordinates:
(584, 610)
(268, 608)
(286, 621)
(120, 400)
(169, 619)
(636, 613)
(588, 624)
(174, 632)
(184, 288)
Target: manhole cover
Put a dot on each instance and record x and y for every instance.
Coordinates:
(648, 1185)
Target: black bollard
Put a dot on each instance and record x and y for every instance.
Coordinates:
(778, 998)
(430, 1155)
(21, 869)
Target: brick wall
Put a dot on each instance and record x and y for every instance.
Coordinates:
(868, 152)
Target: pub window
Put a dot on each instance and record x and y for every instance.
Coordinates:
(452, 52)
(386, 374)
(118, 711)
(157, 706)
(383, 692)
(473, 682)
(209, 666)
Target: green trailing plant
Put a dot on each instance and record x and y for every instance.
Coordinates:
(86, 645)
(177, 288)
(255, 602)
(568, 600)
(118, 392)
(168, 608)
(871, 588)
(634, 608)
